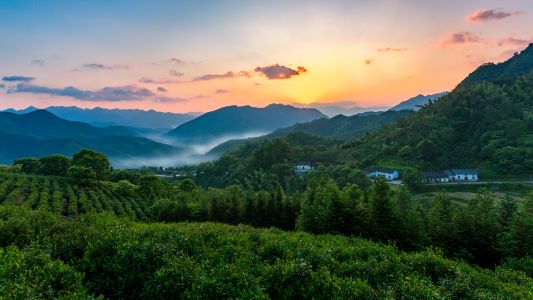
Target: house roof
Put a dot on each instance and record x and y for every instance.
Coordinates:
(430, 175)
(465, 171)
(382, 170)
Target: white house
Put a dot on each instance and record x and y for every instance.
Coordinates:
(387, 173)
(463, 174)
(302, 167)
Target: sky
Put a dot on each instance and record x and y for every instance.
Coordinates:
(196, 56)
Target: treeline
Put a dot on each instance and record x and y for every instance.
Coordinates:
(45, 256)
(232, 205)
(86, 164)
(481, 231)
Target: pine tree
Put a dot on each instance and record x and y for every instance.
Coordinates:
(383, 221)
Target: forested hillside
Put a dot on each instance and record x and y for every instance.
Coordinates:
(43, 124)
(485, 123)
(519, 65)
(339, 127)
(118, 148)
(239, 120)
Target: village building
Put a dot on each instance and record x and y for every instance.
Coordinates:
(436, 177)
(387, 173)
(455, 175)
(303, 167)
(463, 174)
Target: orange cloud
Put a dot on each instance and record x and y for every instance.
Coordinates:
(389, 49)
(514, 42)
(280, 72)
(463, 37)
(485, 15)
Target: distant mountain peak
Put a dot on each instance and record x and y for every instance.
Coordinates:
(236, 120)
(417, 102)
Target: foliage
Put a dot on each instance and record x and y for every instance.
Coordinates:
(122, 259)
(94, 161)
(32, 274)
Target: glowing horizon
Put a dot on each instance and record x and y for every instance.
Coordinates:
(183, 57)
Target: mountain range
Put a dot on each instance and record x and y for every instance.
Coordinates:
(234, 121)
(39, 133)
(44, 124)
(103, 117)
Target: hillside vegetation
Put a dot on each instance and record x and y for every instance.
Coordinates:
(339, 127)
(99, 255)
(485, 122)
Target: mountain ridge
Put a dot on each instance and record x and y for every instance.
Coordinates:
(235, 120)
(99, 116)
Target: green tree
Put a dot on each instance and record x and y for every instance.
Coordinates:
(412, 178)
(383, 221)
(29, 165)
(518, 241)
(81, 173)
(356, 220)
(441, 223)
(412, 228)
(93, 160)
(56, 165)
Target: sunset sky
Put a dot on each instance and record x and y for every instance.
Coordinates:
(192, 56)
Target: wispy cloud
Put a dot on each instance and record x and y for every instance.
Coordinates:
(170, 61)
(17, 78)
(226, 75)
(37, 62)
(98, 66)
(389, 49)
(485, 15)
(2, 85)
(157, 81)
(463, 37)
(112, 94)
(514, 42)
(176, 73)
(222, 91)
(169, 99)
(280, 72)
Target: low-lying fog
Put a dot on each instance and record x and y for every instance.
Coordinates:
(186, 154)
